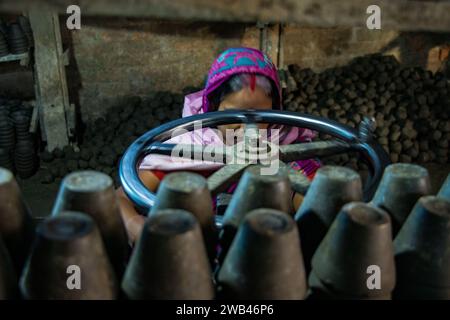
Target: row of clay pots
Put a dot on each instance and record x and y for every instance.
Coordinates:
(15, 38)
(356, 259)
(84, 218)
(342, 250)
(17, 147)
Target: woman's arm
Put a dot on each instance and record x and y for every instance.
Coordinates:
(297, 201)
(132, 220)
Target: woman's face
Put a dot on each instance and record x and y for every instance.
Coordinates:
(242, 100)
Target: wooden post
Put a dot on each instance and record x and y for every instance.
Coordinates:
(271, 42)
(270, 38)
(51, 85)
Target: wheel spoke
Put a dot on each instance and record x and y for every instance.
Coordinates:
(222, 178)
(302, 151)
(189, 151)
(299, 182)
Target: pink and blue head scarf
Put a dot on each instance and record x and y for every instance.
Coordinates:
(234, 61)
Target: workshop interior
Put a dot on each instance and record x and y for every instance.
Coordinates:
(117, 182)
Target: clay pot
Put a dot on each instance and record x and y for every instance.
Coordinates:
(421, 251)
(16, 226)
(331, 188)
(68, 246)
(17, 40)
(254, 191)
(359, 239)
(93, 193)
(265, 260)
(444, 192)
(8, 279)
(400, 187)
(169, 260)
(189, 191)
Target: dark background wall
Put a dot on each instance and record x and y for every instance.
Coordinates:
(111, 58)
(116, 57)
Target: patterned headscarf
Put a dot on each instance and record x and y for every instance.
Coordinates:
(234, 61)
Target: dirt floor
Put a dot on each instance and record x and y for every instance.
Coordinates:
(40, 197)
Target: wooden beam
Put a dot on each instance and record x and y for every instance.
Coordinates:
(269, 38)
(51, 86)
(407, 15)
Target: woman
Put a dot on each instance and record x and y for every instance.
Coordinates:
(240, 78)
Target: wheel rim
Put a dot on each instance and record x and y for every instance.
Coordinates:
(372, 152)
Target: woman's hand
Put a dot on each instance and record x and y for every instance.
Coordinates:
(133, 221)
(297, 201)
